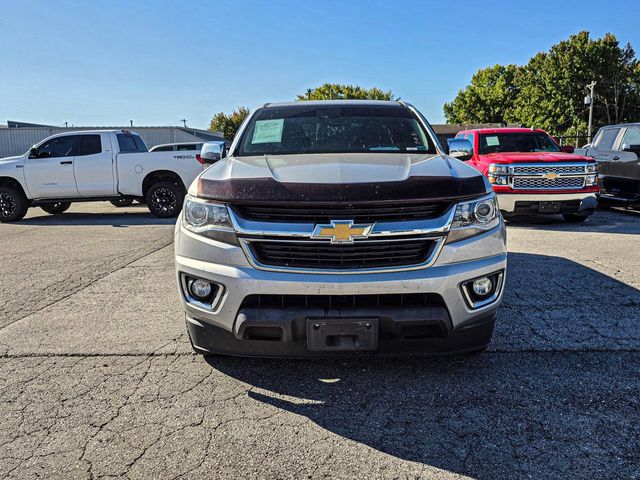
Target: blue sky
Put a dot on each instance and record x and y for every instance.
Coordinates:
(156, 62)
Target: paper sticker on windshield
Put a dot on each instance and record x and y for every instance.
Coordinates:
(492, 141)
(268, 131)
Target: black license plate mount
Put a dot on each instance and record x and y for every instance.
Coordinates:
(549, 207)
(342, 334)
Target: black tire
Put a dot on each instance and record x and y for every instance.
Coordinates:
(574, 217)
(164, 199)
(13, 204)
(55, 208)
(121, 202)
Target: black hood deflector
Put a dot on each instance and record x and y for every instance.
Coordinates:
(259, 190)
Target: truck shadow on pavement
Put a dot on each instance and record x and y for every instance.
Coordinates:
(556, 396)
(70, 219)
(602, 221)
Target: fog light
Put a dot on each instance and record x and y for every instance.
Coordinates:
(201, 289)
(482, 286)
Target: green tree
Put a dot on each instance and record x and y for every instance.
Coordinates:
(548, 92)
(335, 91)
(229, 124)
(489, 98)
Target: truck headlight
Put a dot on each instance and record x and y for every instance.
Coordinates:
(498, 169)
(473, 218)
(208, 219)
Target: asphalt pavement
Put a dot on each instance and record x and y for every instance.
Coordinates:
(97, 378)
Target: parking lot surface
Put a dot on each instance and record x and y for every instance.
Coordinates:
(97, 378)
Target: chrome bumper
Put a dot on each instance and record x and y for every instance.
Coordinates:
(507, 201)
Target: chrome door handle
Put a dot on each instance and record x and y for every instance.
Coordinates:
(66, 162)
(615, 157)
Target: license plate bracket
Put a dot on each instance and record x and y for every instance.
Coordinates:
(549, 207)
(342, 334)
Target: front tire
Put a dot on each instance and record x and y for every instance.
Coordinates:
(574, 217)
(13, 204)
(121, 202)
(55, 208)
(164, 199)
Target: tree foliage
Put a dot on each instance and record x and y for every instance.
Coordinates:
(548, 92)
(229, 124)
(335, 91)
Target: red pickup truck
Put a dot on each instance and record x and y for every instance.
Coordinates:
(530, 173)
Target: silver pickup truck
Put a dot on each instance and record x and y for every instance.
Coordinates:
(339, 228)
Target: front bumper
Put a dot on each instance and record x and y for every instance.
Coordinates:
(448, 326)
(527, 203)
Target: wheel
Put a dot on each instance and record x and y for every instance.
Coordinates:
(121, 202)
(54, 208)
(164, 199)
(13, 204)
(574, 217)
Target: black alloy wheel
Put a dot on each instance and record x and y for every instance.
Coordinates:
(165, 199)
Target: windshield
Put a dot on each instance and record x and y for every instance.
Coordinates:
(516, 142)
(334, 129)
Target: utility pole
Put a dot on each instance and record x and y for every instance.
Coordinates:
(184, 121)
(131, 122)
(591, 88)
(309, 93)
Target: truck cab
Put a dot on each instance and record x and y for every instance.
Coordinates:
(531, 173)
(616, 148)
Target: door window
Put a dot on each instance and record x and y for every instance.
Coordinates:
(631, 137)
(606, 139)
(90, 145)
(58, 147)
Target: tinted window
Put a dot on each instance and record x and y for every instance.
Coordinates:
(192, 146)
(167, 148)
(631, 137)
(58, 147)
(90, 145)
(334, 129)
(606, 138)
(516, 142)
(130, 143)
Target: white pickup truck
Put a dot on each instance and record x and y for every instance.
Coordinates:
(112, 165)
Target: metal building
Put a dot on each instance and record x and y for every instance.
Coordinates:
(18, 137)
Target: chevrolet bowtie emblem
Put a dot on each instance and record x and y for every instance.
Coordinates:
(342, 231)
(550, 176)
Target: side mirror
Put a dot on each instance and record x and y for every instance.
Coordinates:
(460, 148)
(631, 148)
(567, 148)
(212, 152)
(33, 152)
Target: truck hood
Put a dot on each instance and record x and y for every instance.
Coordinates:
(528, 157)
(340, 177)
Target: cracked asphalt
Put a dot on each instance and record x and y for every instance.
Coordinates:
(97, 378)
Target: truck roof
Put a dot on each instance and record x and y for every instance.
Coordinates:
(503, 130)
(333, 102)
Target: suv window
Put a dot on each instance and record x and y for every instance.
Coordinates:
(606, 138)
(335, 129)
(631, 137)
(167, 148)
(130, 143)
(58, 147)
(90, 145)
